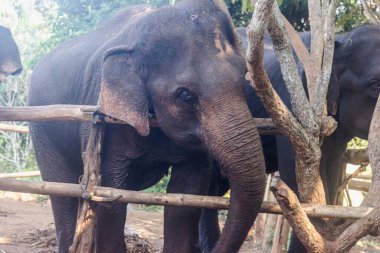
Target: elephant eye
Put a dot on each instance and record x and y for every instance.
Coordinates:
(373, 88)
(374, 84)
(186, 96)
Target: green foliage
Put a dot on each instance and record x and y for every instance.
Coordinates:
(241, 11)
(160, 186)
(357, 143)
(349, 13)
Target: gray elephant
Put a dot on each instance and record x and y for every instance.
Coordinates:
(10, 63)
(180, 65)
(352, 94)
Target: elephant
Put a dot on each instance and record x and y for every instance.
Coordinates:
(180, 65)
(10, 62)
(352, 94)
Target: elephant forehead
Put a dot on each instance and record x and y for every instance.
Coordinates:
(365, 62)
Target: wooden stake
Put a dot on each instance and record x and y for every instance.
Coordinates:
(84, 239)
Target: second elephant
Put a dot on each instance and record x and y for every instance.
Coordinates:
(352, 94)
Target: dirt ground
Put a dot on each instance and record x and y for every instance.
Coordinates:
(27, 226)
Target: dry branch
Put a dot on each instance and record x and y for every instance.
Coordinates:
(280, 114)
(319, 105)
(297, 218)
(316, 47)
(356, 231)
(300, 106)
(305, 141)
(185, 200)
(298, 46)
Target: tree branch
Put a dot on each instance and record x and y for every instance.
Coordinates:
(300, 105)
(298, 46)
(316, 47)
(297, 218)
(279, 113)
(356, 231)
(369, 13)
(328, 55)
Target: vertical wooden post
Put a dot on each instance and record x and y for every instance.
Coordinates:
(284, 236)
(261, 217)
(85, 229)
(271, 219)
(281, 235)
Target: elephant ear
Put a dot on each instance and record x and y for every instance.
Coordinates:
(333, 91)
(122, 93)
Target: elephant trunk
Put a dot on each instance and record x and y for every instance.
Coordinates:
(234, 142)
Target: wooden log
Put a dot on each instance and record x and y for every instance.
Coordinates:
(75, 190)
(359, 185)
(86, 113)
(14, 128)
(363, 176)
(21, 174)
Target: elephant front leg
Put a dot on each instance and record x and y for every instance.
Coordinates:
(209, 231)
(181, 223)
(110, 218)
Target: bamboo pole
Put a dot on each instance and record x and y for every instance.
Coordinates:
(84, 113)
(185, 200)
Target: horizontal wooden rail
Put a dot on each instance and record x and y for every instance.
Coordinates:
(125, 196)
(359, 185)
(35, 173)
(14, 128)
(87, 112)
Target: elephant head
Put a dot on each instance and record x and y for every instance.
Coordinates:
(182, 64)
(355, 80)
(10, 63)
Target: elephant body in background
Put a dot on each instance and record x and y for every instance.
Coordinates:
(352, 94)
(10, 63)
(180, 65)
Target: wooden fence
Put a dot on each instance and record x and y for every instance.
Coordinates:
(97, 193)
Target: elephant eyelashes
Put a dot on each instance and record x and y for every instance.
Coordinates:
(186, 96)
